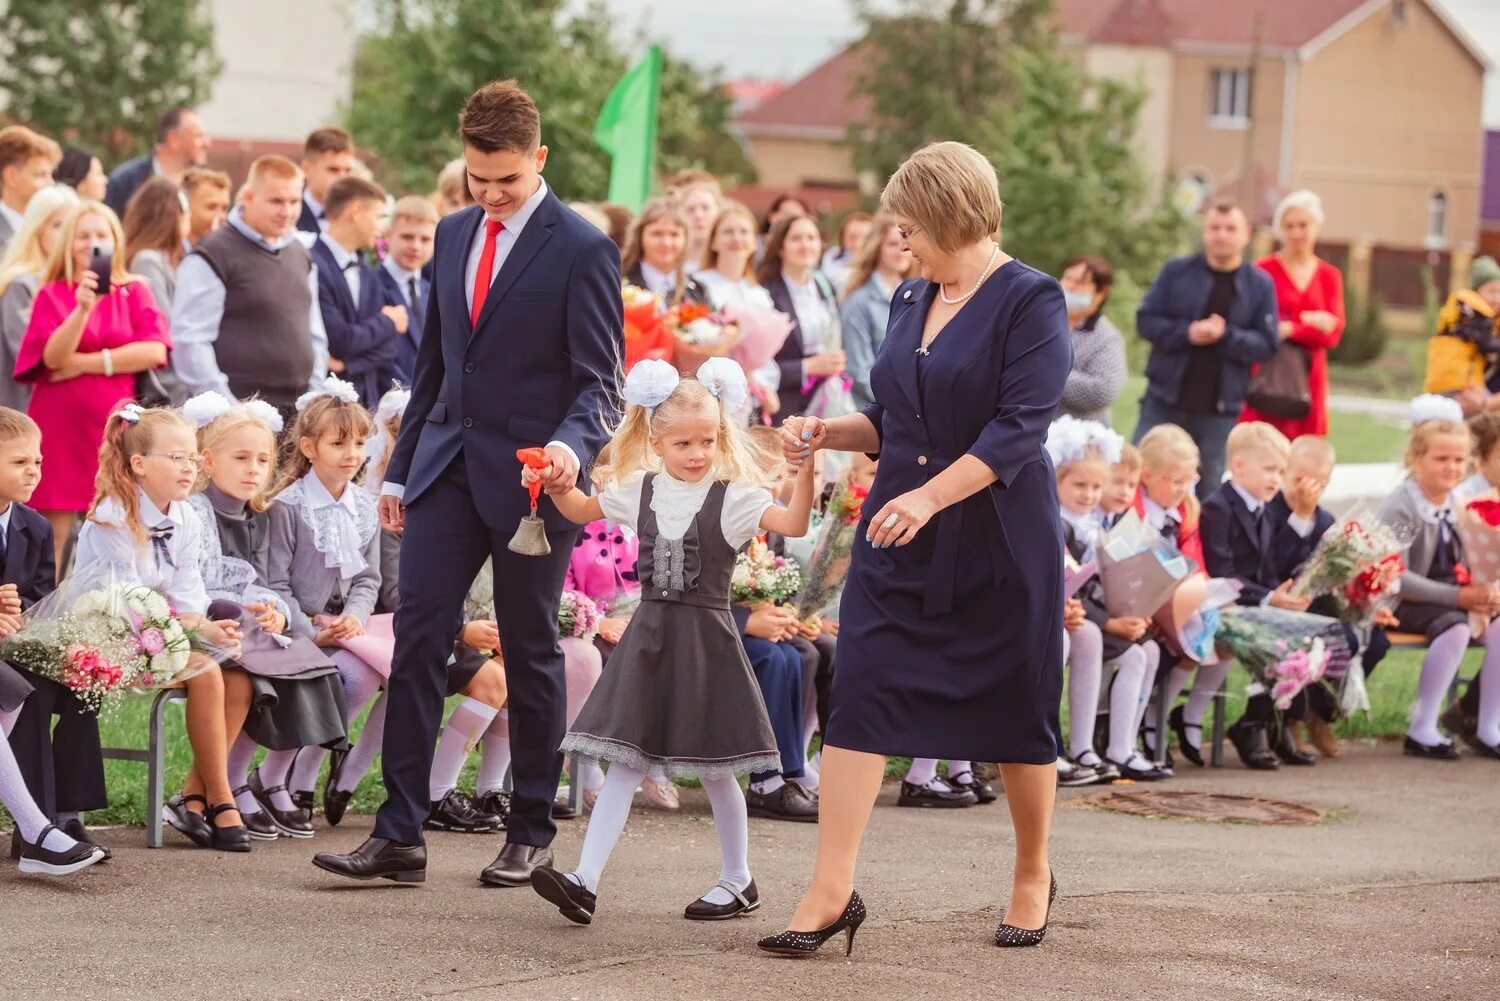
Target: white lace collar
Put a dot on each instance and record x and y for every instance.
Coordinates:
(341, 528)
(223, 576)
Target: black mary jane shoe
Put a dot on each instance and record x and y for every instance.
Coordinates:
(572, 900)
(1484, 750)
(1253, 746)
(193, 826)
(335, 800)
(1129, 771)
(304, 804)
(741, 902)
(1288, 750)
(1432, 752)
(1011, 937)
(227, 839)
(1180, 728)
(982, 790)
(294, 823)
(1148, 744)
(38, 861)
(74, 829)
(933, 795)
(259, 824)
(801, 944)
(457, 812)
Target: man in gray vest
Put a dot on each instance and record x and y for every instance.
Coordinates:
(245, 319)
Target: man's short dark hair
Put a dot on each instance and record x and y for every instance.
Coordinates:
(500, 116)
(347, 191)
(328, 139)
(1225, 206)
(170, 122)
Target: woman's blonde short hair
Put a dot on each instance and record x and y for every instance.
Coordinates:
(950, 193)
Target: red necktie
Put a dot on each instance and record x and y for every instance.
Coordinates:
(483, 275)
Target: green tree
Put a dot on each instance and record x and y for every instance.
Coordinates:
(100, 73)
(413, 73)
(987, 72)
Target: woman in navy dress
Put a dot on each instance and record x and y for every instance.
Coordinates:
(951, 639)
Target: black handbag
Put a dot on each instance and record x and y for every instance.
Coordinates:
(1280, 387)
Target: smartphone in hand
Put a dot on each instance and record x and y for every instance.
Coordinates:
(101, 263)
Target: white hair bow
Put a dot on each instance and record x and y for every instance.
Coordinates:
(266, 414)
(725, 378)
(650, 382)
(130, 413)
(332, 386)
(1068, 438)
(1432, 407)
(205, 408)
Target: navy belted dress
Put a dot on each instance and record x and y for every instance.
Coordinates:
(951, 646)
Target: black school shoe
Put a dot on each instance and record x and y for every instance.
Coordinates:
(193, 826)
(741, 902)
(74, 829)
(935, 795)
(982, 790)
(458, 813)
(1432, 752)
(788, 802)
(572, 900)
(294, 823)
(496, 804)
(1179, 727)
(1288, 750)
(38, 861)
(1253, 746)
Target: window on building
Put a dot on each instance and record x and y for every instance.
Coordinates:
(1437, 220)
(1229, 99)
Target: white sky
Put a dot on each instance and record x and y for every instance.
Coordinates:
(782, 39)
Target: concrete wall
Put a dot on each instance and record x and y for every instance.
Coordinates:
(790, 163)
(1195, 144)
(1151, 70)
(1386, 115)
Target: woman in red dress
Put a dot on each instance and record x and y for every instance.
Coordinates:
(1310, 297)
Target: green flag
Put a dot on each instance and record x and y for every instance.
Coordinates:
(626, 130)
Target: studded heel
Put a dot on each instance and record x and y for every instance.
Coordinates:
(1011, 937)
(801, 944)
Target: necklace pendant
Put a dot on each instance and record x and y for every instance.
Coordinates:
(922, 351)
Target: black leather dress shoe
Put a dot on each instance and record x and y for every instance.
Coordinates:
(563, 810)
(457, 812)
(335, 800)
(741, 902)
(1432, 752)
(514, 865)
(1461, 725)
(1254, 746)
(934, 795)
(190, 825)
(293, 823)
(1288, 750)
(1180, 728)
(74, 829)
(496, 804)
(789, 801)
(378, 858)
(572, 901)
(234, 838)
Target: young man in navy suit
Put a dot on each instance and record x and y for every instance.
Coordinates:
(1239, 537)
(63, 769)
(366, 323)
(410, 235)
(327, 155)
(520, 346)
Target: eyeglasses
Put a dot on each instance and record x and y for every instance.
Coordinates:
(182, 460)
(907, 234)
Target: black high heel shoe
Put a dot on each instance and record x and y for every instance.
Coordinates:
(801, 944)
(1011, 937)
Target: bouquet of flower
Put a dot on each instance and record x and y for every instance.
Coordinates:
(644, 335)
(828, 396)
(1284, 650)
(1189, 621)
(761, 577)
(1345, 551)
(698, 334)
(762, 332)
(1478, 527)
(829, 567)
(1139, 569)
(101, 635)
(577, 616)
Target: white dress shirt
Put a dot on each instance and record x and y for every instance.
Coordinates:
(1250, 502)
(663, 283)
(405, 281)
(13, 217)
(198, 309)
(5, 521)
(1156, 515)
(344, 259)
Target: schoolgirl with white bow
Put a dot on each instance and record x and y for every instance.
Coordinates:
(324, 562)
(679, 695)
(1436, 599)
(297, 695)
(141, 524)
(1083, 453)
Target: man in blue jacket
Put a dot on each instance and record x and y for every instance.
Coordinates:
(1209, 318)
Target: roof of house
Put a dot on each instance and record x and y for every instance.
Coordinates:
(821, 104)
(1489, 196)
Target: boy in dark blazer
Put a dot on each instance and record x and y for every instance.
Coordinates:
(63, 769)
(1239, 542)
(410, 239)
(366, 323)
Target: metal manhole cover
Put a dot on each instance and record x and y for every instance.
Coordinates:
(1186, 804)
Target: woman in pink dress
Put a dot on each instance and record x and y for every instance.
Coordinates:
(82, 351)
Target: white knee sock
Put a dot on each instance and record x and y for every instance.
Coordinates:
(462, 734)
(1124, 700)
(371, 736)
(241, 753)
(958, 768)
(1148, 683)
(1205, 687)
(494, 756)
(303, 776)
(605, 824)
(1439, 668)
(590, 775)
(733, 827)
(1085, 670)
(17, 799)
(922, 771)
(1489, 688)
(276, 770)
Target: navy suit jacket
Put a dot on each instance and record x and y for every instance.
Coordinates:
(416, 313)
(1292, 550)
(1232, 547)
(29, 560)
(540, 365)
(359, 335)
(124, 181)
(789, 358)
(307, 222)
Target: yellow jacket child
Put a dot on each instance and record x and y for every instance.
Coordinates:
(1465, 342)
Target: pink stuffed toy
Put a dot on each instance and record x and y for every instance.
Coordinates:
(603, 564)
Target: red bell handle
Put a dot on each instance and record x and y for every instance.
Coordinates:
(535, 458)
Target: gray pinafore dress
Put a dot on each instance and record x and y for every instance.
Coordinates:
(678, 696)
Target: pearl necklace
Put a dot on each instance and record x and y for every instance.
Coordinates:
(970, 294)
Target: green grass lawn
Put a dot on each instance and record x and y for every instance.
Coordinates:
(1356, 437)
(1391, 691)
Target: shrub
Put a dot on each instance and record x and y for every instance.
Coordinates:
(1365, 330)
